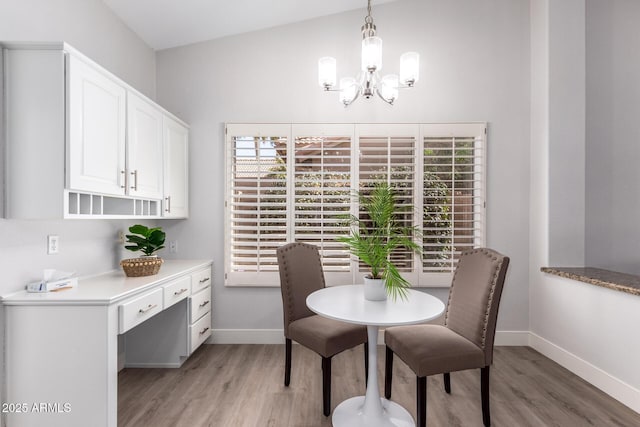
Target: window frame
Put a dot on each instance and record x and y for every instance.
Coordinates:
(418, 277)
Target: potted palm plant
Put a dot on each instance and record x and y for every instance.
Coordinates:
(375, 237)
(148, 241)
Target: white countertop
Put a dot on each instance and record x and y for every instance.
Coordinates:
(107, 288)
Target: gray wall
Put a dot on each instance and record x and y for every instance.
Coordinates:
(90, 246)
(474, 67)
(613, 135)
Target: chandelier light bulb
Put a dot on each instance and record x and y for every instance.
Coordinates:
(327, 72)
(389, 88)
(372, 54)
(348, 90)
(409, 68)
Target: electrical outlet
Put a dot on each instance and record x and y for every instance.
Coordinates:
(52, 244)
(120, 236)
(173, 246)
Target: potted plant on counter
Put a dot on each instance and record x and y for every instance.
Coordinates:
(148, 241)
(374, 238)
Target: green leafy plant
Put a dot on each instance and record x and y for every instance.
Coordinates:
(144, 239)
(374, 238)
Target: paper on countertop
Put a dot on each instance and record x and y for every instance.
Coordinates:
(53, 280)
(51, 275)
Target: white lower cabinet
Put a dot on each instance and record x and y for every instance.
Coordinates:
(142, 308)
(199, 304)
(200, 309)
(147, 345)
(70, 358)
(176, 291)
(199, 332)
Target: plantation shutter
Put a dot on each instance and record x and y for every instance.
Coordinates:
(454, 193)
(387, 152)
(295, 182)
(256, 202)
(322, 196)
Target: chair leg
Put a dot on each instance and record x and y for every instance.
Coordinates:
(447, 382)
(484, 387)
(366, 364)
(421, 401)
(287, 362)
(388, 372)
(326, 386)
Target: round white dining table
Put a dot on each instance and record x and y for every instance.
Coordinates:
(347, 304)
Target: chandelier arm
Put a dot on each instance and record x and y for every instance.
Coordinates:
(388, 101)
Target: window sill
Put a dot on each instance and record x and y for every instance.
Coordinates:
(622, 282)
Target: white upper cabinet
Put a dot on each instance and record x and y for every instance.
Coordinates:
(176, 171)
(96, 123)
(82, 143)
(144, 148)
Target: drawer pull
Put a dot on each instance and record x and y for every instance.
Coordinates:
(181, 291)
(203, 304)
(206, 279)
(149, 308)
(204, 331)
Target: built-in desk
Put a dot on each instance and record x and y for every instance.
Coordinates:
(61, 348)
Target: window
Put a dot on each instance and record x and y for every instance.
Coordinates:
(295, 182)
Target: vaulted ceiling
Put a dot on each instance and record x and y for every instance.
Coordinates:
(169, 23)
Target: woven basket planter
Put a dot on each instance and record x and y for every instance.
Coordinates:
(138, 267)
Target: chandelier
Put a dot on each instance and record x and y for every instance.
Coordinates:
(368, 82)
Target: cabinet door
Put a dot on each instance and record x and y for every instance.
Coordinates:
(96, 126)
(176, 169)
(144, 148)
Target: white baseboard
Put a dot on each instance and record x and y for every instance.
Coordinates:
(153, 365)
(614, 387)
(512, 338)
(246, 336)
(276, 336)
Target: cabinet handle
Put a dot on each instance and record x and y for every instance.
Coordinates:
(203, 304)
(206, 279)
(149, 307)
(204, 330)
(168, 208)
(181, 291)
(135, 180)
(124, 179)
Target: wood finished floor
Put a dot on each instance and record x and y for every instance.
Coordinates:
(242, 386)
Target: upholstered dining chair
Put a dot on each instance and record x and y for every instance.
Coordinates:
(465, 341)
(301, 274)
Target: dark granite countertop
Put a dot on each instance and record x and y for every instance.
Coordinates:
(596, 276)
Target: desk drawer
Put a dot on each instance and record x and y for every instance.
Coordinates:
(200, 331)
(138, 310)
(200, 279)
(199, 304)
(176, 291)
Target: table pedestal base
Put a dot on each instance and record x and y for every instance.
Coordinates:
(350, 414)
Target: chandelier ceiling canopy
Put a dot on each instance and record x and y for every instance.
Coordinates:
(368, 81)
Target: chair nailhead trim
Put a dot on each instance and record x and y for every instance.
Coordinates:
(494, 281)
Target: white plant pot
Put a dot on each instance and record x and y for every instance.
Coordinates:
(374, 289)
